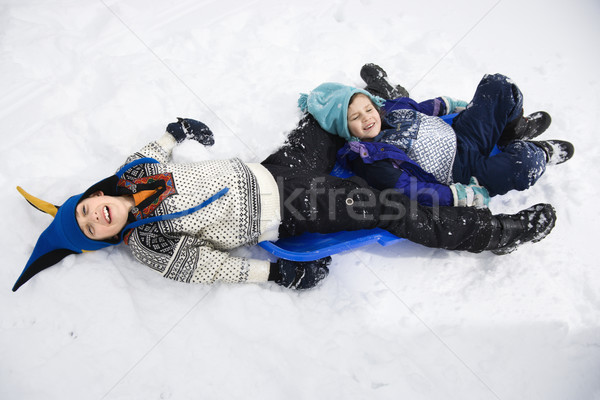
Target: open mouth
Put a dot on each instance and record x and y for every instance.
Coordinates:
(106, 214)
(368, 127)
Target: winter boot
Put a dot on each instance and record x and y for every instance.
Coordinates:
(557, 151)
(525, 128)
(374, 76)
(530, 225)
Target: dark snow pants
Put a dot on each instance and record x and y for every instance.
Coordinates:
(314, 201)
(497, 102)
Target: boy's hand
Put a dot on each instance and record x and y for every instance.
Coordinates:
(299, 274)
(186, 128)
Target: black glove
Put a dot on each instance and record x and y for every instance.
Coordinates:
(190, 128)
(299, 274)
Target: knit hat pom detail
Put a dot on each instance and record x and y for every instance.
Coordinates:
(303, 102)
(379, 102)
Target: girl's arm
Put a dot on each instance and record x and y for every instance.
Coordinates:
(190, 259)
(435, 107)
(383, 175)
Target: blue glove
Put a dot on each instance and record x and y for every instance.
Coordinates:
(299, 274)
(471, 195)
(186, 128)
(453, 105)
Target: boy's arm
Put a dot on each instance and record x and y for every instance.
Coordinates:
(192, 260)
(176, 132)
(161, 150)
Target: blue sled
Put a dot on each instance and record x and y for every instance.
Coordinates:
(312, 246)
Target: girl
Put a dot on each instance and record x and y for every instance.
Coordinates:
(407, 149)
(182, 220)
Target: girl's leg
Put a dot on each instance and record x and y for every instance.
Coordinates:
(497, 101)
(517, 167)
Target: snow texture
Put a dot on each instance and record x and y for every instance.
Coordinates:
(86, 83)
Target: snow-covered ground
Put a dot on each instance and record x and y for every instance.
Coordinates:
(85, 83)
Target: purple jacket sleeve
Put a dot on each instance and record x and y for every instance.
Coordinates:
(383, 175)
(434, 107)
(428, 194)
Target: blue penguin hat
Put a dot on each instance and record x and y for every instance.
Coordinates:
(63, 236)
(328, 104)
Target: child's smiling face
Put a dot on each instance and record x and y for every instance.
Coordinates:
(364, 121)
(102, 217)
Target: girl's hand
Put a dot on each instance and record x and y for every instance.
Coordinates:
(454, 105)
(471, 195)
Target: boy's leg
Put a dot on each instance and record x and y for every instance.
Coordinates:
(308, 147)
(328, 204)
(377, 84)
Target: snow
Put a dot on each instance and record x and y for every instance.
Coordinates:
(85, 83)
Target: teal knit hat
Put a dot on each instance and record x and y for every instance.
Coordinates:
(328, 103)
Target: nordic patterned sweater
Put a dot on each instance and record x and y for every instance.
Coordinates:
(195, 248)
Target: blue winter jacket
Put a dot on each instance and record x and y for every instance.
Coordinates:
(385, 166)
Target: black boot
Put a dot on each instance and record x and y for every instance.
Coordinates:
(557, 151)
(530, 225)
(525, 128)
(374, 76)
